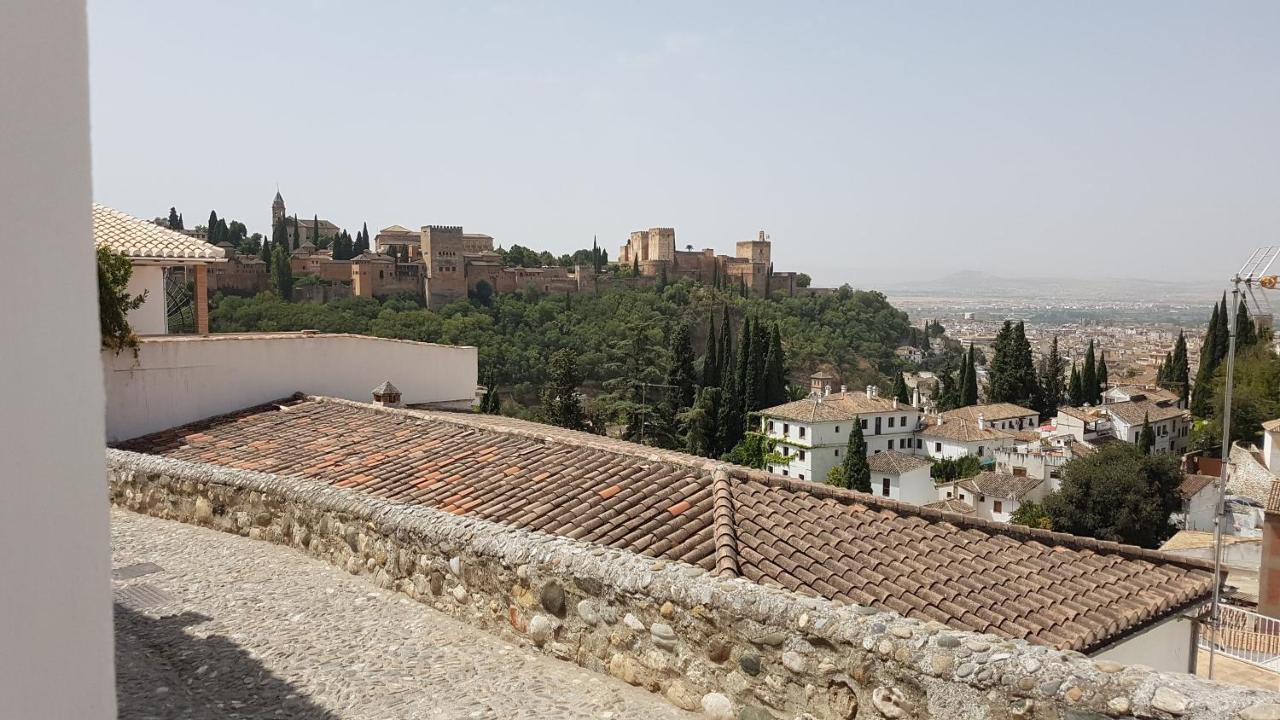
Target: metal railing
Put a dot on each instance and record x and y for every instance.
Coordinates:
(1246, 636)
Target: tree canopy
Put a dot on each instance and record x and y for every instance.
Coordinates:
(1118, 494)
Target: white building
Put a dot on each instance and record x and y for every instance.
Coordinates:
(155, 251)
(900, 476)
(949, 438)
(994, 495)
(998, 416)
(1199, 502)
(813, 433)
(1134, 393)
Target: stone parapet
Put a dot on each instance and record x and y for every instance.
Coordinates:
(728, 647)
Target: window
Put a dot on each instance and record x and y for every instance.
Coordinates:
(1019, 472)
(786, 428)
(878, 425)
(770, 426)
(784, 471)
(890, 443)
(837, 452)
(802, 455)
(802, 431)
(937, 447)
(884, 487)
(862, 424)
(962, 497)
(919, 444)
(997, 506)
(837, 428)
(979, 451)
(891, 422)
(786, 451)
(801, 476)
(902, 421)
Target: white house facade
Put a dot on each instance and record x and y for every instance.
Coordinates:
(901, 476)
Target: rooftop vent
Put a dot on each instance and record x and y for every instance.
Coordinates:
(386, 395)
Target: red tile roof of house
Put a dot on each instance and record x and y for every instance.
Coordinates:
(968, 573)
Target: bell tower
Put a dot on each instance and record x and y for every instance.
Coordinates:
(277, 209)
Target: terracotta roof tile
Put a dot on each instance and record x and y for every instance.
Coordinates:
(1049, 588)
(142, 239)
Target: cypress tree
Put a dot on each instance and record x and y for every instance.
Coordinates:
(175, 222)
(1222, 333)
(726, 347)
(732, 420)
(681, 375)
(1246, 333)
(775, 387)
(296, 234)
(1146, 438)
(282, 273)
(711, 357)
(1003, 385)
(212, 226)
(1180, 375)
(315, 229)
(1075, 389)
(703, 437)
(900, 388)
(747, 368)
(1200, 398)
(969, 380)
(854, 473)
(561, 402)
(635, 266)
(1051, 381)
(1089, 376)
(1103, 380)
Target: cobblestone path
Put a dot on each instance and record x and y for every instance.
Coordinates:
(211, 625)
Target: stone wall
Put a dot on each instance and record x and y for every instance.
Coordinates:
(728, 647)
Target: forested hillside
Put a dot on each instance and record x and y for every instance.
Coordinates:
(620, 337)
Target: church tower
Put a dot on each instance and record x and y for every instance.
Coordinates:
(277, 209)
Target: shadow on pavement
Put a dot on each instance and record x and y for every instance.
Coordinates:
(163, 672)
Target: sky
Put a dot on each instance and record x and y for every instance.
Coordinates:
(875, 142)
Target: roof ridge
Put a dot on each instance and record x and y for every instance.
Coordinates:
(724, 526)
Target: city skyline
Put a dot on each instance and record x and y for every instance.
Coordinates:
(874, 145)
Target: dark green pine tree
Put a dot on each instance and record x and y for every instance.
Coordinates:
(635, 266)
(1003, 384)
(726, 348)
(1222, 334)
(1025, 365)
(711, 356)
(1050, 375)
(175, 222)
(282, 273)
(703, 437)
(1146, 438)
(1103, 379)
(682, 377)
(949, 393)
(775, 371)
(211, 228)
(1089, 376)
(297, 236)
(561, 401)
(1075, 388)
(900, 388)
(315, 230)
(969, 386)
(364, 231)
(854, 473)
(1202, 394)
(732, 420)
(595, 255)
(747, 367)
(1246, 333)
(1180, 375)
(760, 348)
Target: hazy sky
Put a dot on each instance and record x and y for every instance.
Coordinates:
(875, 143)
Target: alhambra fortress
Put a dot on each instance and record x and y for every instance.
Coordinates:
(443, 264)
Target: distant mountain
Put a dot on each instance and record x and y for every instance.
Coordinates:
(975, 283)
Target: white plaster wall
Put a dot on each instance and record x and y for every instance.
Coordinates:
(1271, 450)
(1165, 646)
(149, 319)
(55, 593)
(917, 487)
(179, 379)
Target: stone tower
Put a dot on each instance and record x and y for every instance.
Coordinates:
(277, 209)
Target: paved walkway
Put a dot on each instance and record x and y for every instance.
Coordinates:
(211, 625)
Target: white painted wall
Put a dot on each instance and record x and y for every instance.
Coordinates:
(149, 319)
(1271, 450)
(55, 593)
(1165, 646)
(182, 378)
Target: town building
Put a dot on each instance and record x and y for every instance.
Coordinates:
(993, 495)
(950, 438)
(308, 231)
(1123, 421)
(161, 259)
(813, 433)
(899, 476)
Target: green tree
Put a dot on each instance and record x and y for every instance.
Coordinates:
(114, 301)
(1246, 333)
(561, 401)
(803, 280)
(1118, 494)
(1147, 437)
(1031, 514)
(297, 235)
(682, 377)
(1089, 377)
(213, 227)
(854, 473)
(315, 230)
(753, 451)
(175, 220)
(282, 273)
(1255, 397)
(746, 371)
(635, 266)
(900, 388)
(703, 436)
(1050, 375)
(711, 357)
(1174, 373)
(1200, 398)
(1103, 379)
(775, 371)
(969, 380)
(1075, 389)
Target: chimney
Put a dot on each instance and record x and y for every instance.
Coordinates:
(982, 422)
(869, 395)
(915, 397)
(875, 391)
(386, 395)
(937, 419)
(826, 390)
(844, 389)
(895, 403)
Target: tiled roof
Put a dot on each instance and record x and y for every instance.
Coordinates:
(1000, 485)
(1273, 499)
(994, 411)
(961, 430)
(1271, 425)
(892, 461)
(969, 573)
(951, 505)
(144, 240)
(1192, 484)
(1156, 394)
(836, 406)
(1133, 412)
